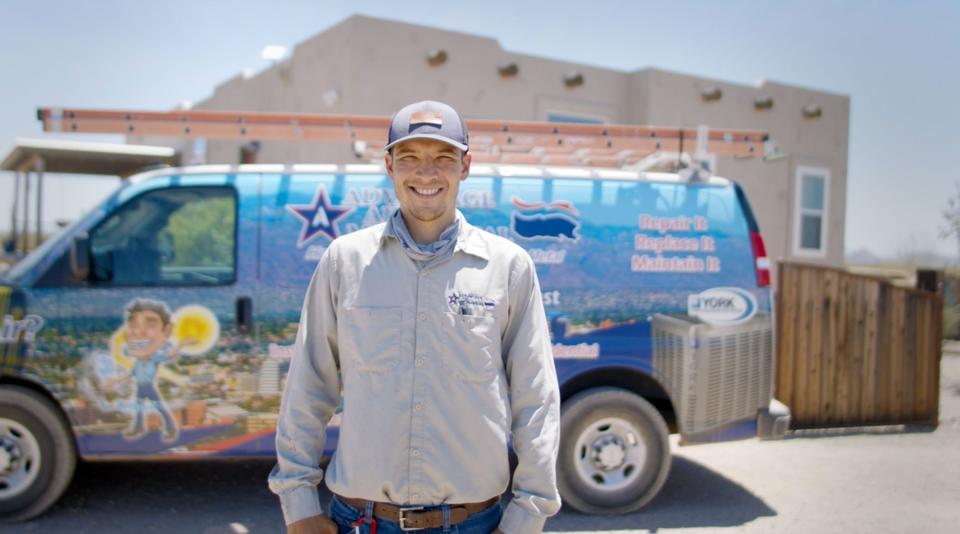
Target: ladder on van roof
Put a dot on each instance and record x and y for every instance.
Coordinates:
(491, 141)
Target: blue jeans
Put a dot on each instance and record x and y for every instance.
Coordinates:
(345, 516)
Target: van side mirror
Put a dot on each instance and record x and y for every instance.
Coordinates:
(80, 256)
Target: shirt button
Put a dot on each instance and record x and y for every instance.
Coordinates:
(415, 497)
(423, 316)
(419, 361)
(415, 453)
(417, 406)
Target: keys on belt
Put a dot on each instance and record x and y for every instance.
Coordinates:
(411, 518)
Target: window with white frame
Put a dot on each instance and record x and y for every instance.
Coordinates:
(812, 200)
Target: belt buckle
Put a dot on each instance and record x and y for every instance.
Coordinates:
(403, 510)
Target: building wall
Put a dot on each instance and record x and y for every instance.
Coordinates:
(348, 69)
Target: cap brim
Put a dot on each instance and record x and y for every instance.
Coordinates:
(435, 137)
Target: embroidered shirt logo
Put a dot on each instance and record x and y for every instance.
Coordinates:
(470, 303)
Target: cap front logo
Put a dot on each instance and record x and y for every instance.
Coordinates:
(434, 118)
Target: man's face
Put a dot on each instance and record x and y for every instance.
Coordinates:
(145, 333)
(426, 178)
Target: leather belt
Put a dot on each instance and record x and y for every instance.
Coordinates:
(417, 517)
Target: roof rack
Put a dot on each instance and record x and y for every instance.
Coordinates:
(491, 141)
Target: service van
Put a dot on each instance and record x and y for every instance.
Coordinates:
(162, 323)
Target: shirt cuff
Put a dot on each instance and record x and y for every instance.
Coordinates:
(300, 503)
(518, 520)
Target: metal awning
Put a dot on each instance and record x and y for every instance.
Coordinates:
(75, 157)
(38, 156)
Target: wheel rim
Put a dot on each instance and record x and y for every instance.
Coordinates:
(19, 458)
(610, 454)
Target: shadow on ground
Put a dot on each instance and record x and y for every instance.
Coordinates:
(232, 498)
(693, 496)
(196, 497)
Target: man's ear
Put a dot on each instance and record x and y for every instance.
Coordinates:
(388, 163)
(467, 158)
(168, 329)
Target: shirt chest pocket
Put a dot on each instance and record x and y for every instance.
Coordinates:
(475, 347)
(369, 339)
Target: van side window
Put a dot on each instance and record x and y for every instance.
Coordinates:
(180, 236)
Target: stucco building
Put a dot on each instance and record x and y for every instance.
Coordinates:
(799, 198)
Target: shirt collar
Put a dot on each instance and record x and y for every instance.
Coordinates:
(469, 239)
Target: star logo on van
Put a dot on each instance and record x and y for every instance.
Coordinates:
(319, 217)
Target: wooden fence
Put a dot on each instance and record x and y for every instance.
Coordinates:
(856, 350)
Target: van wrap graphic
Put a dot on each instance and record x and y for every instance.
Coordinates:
(127, 378)
(539, 220)
(610, 258)
(320, 217)
(23, 330)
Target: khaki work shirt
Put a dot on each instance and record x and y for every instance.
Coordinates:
(437, 367)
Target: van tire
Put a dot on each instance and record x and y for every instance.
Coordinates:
(614, 452)
(31, 427)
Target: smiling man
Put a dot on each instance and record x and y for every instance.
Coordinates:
(432, 333)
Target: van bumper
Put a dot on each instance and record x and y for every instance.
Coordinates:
(773, 422)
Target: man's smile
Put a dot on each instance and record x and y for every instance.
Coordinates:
(426, 192)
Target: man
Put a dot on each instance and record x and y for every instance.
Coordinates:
(434, 333)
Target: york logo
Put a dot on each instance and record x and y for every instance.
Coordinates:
(722, 305)
(716, 303)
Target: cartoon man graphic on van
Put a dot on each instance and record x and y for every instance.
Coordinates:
(147, 331)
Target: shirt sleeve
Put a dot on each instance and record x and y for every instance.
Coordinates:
(535, 405)
(310, 398)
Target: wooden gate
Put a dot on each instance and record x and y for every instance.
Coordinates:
(856, 350)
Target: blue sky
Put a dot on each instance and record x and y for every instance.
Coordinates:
(896, 60)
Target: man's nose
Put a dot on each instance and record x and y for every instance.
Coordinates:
(428, 167)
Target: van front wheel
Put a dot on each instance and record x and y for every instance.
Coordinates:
(37, 454)
(614, 452)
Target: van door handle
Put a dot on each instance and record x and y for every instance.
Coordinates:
(244, 315)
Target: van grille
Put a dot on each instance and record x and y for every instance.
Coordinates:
(715, 375)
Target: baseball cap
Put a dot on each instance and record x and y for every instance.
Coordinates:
(428, 120)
